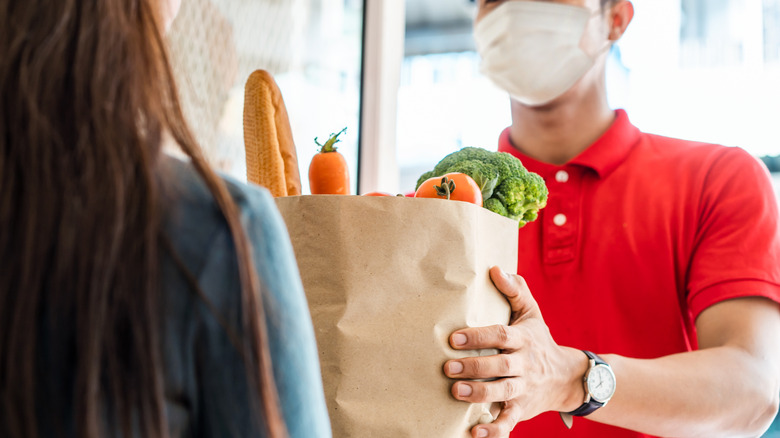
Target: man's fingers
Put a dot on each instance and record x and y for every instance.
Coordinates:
(501, 427)
(488, 367)
(488, 392)
(516, 291)
(501, 337)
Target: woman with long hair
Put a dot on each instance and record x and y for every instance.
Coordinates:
(140, 296)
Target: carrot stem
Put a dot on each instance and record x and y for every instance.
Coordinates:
(330, 145)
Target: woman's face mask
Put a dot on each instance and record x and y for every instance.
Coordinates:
(532, 49)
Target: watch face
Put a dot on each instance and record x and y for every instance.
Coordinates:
(601, 383)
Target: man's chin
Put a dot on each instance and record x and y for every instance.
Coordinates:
(543, 107)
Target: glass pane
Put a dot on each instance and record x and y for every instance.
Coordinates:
(772, 32)
(711, 33)
(313, 49)
(444, 103)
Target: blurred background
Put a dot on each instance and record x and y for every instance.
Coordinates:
(404, 79)
(706, 70)
(313, 49)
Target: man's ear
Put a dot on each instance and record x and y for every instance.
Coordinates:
(620, 16)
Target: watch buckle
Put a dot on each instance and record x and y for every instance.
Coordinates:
(568, 420)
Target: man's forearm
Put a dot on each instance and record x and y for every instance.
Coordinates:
(729, 387)
(722, 391)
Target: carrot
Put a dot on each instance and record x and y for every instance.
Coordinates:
(328, 172)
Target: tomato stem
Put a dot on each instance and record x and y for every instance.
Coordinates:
(446, 188)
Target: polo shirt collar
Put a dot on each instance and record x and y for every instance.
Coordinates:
(603, 156)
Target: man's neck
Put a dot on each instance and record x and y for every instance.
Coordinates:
(558, 132)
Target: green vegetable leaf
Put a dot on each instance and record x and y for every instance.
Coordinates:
(330, 145)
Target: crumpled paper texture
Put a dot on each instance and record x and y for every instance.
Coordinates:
(388, 279)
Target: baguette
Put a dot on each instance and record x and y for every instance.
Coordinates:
(271, 159)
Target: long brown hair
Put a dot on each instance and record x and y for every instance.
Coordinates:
(86, 97)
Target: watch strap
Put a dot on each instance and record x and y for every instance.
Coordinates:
(591, 405)
(586, 408)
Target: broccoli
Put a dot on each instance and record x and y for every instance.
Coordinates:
(485, 175)
(494, 205)
(475, 154)
(507, 187)
(523, 196)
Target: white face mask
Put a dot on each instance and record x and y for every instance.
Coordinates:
(531, 49)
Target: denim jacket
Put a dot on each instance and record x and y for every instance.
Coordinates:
(207, 394)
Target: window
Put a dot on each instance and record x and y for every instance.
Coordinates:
(696, 69)
(312, 47)
(771, 32)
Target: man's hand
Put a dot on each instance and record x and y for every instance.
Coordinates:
(533, 373)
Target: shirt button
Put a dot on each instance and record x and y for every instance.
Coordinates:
(559, 219)
(562, 176)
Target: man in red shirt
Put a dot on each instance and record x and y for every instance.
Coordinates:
(660, 255)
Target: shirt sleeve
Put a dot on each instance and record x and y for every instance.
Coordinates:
(291, 334)
(737, 244)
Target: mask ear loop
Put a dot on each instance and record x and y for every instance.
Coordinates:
(606, 47)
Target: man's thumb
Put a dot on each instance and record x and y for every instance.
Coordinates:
(516, 291)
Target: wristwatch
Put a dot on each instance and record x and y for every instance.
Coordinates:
(599, 384)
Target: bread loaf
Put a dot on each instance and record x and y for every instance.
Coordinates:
(271, 159)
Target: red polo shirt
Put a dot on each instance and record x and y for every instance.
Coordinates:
(640, 234)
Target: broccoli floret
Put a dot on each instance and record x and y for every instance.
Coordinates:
(507, 165)
(523, 196)
(484, 174)
(496, 206)
(465, 154)
(507, 187)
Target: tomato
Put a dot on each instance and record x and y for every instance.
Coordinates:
(463, 188)
(377, 194)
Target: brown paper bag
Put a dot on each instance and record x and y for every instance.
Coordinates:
(388, 279)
